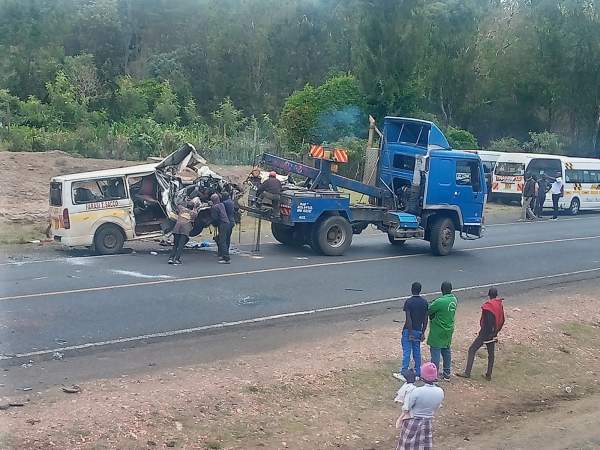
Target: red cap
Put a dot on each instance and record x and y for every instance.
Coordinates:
(272, 174)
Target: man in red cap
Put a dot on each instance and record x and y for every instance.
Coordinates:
(491, 322)
(271, 189)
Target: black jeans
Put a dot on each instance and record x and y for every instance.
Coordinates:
(555, 198)
(476, 345)
(539, 206)
(179, 241)
(223, 240)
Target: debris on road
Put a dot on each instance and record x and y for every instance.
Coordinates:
(74, 389)
(58, 355)
(154, 253)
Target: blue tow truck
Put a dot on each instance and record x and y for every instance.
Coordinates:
(420, 189)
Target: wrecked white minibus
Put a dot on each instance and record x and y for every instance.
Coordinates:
(105, 208)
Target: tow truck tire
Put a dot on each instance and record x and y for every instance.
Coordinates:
(108, 240)
(442, 236)
(333, 236)
(396, 242)
(284, 234)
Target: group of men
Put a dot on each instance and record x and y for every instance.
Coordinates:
(534, 195)
(222, 217)
(419, 404)
(439, 316)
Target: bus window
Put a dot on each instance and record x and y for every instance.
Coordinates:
(544, 166)
(510, 169)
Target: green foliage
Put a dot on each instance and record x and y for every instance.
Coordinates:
(505, 144)
(461, 139)
(544, 142)
(142, 74)
(166, 110)
(304, 109)
(228, 118)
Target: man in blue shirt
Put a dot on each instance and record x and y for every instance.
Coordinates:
(413, 332)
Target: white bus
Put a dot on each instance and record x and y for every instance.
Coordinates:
(581, 177)
(489, 160)
(508, 177)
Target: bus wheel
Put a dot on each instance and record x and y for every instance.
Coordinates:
(574, 207)
(108, 240)
(333, 236)
(442, 236)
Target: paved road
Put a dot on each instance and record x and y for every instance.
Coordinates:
(63, 304)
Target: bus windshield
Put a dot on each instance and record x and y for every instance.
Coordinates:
(510, 169)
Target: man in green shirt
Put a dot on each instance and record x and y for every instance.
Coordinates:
(441, 316)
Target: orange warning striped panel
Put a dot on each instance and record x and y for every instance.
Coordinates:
(340, 155)
(317, 151)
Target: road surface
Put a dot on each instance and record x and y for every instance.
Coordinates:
(66, 304)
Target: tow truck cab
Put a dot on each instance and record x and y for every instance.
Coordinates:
(445, 188)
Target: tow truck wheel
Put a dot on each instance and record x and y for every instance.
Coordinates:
(284, 234)
(333, 236)
(396, 242)
(108, 240)
(442, 236)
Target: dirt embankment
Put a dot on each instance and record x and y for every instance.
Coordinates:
(337, 393)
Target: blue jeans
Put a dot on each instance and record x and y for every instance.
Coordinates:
(441, 353)
(411, 346)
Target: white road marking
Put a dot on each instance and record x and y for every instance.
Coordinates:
(139, 274)
(281, 269)
(262, 319)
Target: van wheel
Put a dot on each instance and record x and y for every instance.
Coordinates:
(333, 236)
(574, 207)
(442, 236)
(108, 240)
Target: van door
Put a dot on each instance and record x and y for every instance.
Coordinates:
(469, 193)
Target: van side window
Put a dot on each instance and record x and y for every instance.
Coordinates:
(98, 190)
(467, 174)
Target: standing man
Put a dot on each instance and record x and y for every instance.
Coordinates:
(413, 332)
(441, 315)
(186, 215)
(271, 189)
(557, 190)
(541, 196)
(529, 193)
(230, 210)
(219, 217)
(491, 322)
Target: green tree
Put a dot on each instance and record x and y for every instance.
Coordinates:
(545, 142)
(229, 119)
(505, 144)
(312, 112)
(166, 110)
(67, 110)
(461, 139)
